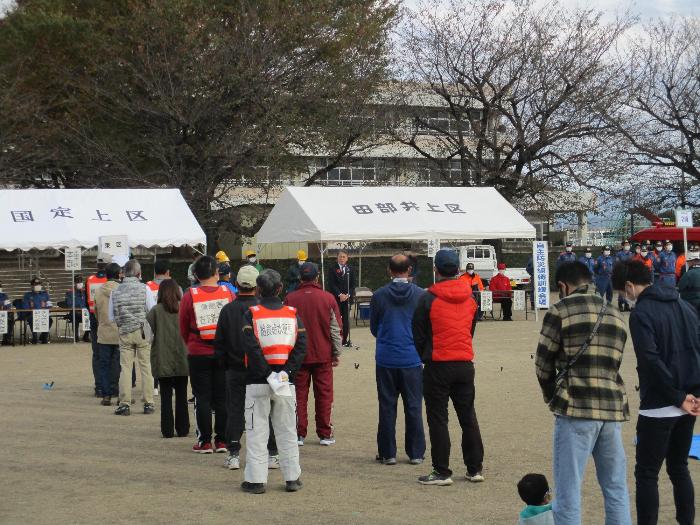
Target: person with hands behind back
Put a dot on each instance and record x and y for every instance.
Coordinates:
(664, 332)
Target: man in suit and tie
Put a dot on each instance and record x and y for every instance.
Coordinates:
(341, 283)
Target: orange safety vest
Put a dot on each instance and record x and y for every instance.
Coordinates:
(94, 283)
(154, 286)
(276, 331)
(207, 307)
(473, 280)
(680, 263)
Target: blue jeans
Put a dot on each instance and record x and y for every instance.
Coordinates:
(109, 370)
(575, 440)
(408, 382)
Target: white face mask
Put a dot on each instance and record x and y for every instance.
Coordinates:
(589, 255)
(644, 253)
(569, 248)
(301, 263)
(79, 286)
(658, 248)
(606, 252)
(669, 247)
(252, 260)
(691, 256)
(626, 247)
(37, 288)
(470, 272)
(501, 272)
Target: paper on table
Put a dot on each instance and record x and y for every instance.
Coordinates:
(280, 385)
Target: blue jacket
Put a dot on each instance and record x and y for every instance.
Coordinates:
(3, 298)
(604, 265)
(36, 300)
(79, 299)
(666, 262)
(664, 331)
(589, 262)
(391, 317)
(229, 285)
(623, 255)
(565, 257)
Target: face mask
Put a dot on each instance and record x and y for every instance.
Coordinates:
(37, 288)
(470, 272)
(79, 286)
(626, 247)
(644, 253)
(301, 263)
(606, 252)
(501, 272)
(569, 248)
(588, 255)
(658, 248)
(252, 260)
(691, 256)
(669, 247)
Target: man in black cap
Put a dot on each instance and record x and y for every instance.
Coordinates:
(443, 326)
(567, 255)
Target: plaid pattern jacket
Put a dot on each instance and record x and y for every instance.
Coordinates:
(593, 388)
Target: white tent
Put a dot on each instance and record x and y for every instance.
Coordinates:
(392, 213)
(71, 218)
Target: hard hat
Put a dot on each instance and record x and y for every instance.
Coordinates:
(301, 255)
(221, 257)
(248, 253)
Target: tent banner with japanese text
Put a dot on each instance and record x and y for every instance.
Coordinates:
(58, 218)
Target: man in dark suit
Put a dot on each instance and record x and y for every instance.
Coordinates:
(341, 283)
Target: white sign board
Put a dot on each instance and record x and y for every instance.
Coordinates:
(486, 301)
(519, 300)
(73, 259)
(40, 321)
(433, 247)
(3, 322)
(541, 267)
(111, 246)
(86, 319)
(684, 218)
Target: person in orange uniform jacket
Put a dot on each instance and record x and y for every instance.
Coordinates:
(476, 285)
(501, 288)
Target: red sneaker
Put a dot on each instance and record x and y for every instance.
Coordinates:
(220, 446)
(203, 448)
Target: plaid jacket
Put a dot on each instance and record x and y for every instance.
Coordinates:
(593, 388)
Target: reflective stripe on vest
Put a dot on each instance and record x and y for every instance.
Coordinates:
(94, 283)
(207, 307)
(276, 331)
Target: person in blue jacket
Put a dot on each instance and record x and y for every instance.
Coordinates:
(588, 260)
(225, 277)
(665, 265)
(36, 299)
(625, 254)
(80, 302)
(567, 255)
(6, 304)
(399, 370)
(603, 271)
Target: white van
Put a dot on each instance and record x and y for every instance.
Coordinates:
(483, 257)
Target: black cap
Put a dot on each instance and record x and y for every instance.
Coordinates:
(447, 262)
(308, 271)
(606, 248)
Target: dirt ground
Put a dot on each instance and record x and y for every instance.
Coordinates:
(66, 459)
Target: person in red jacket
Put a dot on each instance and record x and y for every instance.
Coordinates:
(502, 291)
(320, 314)
(199, 314)
(443, 326)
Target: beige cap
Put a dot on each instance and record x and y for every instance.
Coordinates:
(247, 276)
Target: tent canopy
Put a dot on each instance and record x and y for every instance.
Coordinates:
(391, 213)
(70, 218)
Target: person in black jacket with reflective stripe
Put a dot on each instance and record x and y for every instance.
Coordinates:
(664, 331)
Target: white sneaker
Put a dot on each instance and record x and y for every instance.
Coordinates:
(327, 441)
(476, 478)
(232, 462)
(300, 441)
(155, 391)
(273, 462)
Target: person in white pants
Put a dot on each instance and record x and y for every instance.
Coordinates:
(275, 344)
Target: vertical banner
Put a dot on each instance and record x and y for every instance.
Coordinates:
(73, 258)
(86, 320)
(40, 321)
(486, 301)
(518, 299)
(4, 328)
(433, 247)
(541, 267)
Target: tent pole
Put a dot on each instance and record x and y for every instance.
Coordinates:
(73, 309)
(323, 272)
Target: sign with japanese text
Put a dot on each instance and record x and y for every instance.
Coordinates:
(113, 245)
(408, 207)
(73, 259)
(518, 299)
(86, 319)
(433, 247)
(40, 320)
(541, 267)
(3, 322)
(207, 313)
(684, 218)
(486, 301)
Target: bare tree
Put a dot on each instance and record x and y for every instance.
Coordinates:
(512, 94)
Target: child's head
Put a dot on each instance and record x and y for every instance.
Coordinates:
(534, 489)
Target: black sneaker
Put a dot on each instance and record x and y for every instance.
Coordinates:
(149, 408)
(435, 479)
(293, 486)
(106, 401)
(253, 488)
(122, 410)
